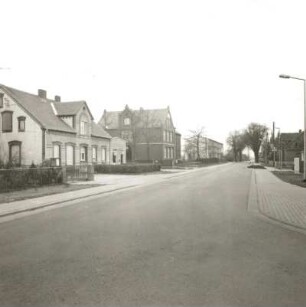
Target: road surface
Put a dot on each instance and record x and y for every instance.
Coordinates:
(188, 241)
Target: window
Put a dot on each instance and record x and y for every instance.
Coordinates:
(7, 121)
(83, 154)
(114, 156)
(127, 121)
(57, 154)
(103, 154)
(165, 152)
(165, 135)
(1, 100)
(94, 154)
(15, 152)
(21, 123)
(69, 155)
(171, 137)
(83, 128)
(84, 125)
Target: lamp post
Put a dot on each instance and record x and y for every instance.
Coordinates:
(304, 80)
(279, 148)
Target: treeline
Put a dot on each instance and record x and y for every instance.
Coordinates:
(250, 137)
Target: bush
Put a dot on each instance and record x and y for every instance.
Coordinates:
(126, 168)
(21, 178)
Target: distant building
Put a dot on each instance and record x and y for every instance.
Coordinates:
(34, 128)
(150, 134)
(291, 145)
(205, 147)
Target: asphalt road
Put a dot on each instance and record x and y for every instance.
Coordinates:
(187, 241)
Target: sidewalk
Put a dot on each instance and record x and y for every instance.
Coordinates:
(108, 183)
(276, 199)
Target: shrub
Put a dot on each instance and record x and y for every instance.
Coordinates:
(21, 178)
(126, 168)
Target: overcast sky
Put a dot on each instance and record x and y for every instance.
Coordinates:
(215, 63)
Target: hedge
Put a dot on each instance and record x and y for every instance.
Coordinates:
(126, 168)
(21, 178)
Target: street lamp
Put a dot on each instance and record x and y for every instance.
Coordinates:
(304, 80)
(279, 149)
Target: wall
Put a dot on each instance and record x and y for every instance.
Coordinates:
(31, 138)
(118, 147)
(63, 139)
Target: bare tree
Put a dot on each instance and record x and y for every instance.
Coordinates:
(237, 143)
(254, 135)
(195, 144)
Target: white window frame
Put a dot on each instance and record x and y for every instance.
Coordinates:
(103, 154)
(94, 154)
(70, 160)
(57, 154)
(83, 153)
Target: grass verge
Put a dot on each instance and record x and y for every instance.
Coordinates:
(290, 177)
(42, 191)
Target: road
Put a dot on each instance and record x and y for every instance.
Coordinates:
(188, 241)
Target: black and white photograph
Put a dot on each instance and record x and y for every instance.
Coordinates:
(152, 153)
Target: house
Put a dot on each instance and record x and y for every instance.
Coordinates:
(34, 128)
(203, 148)
(291, 145)
(150, 134)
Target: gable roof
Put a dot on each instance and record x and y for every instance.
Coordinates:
(293, 140)
(151, 118)
(39, 109)
(99, 131)
(70, 108)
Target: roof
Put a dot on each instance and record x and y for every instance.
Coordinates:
(99, 131)
(69, 108)
(293, 140)
(110, 120)
(40, 109)
(152, 118)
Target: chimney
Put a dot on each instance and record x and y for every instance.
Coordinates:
(57, 98)
(42, 94)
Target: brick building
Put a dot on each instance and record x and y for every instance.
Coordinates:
(203, 148)
(150, 134)
(291, 145)
(34, 129)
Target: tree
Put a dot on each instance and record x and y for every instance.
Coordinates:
(195, 145)
(237, 143)
(254, 135)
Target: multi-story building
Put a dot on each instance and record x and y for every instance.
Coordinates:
(150, 134)
(34, 129)
(200, 147)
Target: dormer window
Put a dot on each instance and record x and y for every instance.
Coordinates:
(127, 121)
(21, 123)
(1, 100)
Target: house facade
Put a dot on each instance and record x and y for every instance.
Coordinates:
(290, 146)
(203, 148)
(35, 129)
(150, 134)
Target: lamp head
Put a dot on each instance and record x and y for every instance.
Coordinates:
(284, 76)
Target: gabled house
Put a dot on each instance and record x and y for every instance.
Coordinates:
(150, 134)
(291, 145)
(34, 128)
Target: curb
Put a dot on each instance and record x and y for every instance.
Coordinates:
(63, 201)
(255, 208)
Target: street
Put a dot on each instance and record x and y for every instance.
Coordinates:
(188, 241)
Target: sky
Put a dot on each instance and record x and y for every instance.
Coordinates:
(214, 63)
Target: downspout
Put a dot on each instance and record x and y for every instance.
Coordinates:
(43, 142)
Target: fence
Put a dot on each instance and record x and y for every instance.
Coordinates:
(79, 172)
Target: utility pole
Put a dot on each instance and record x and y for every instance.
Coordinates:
(273, 144)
